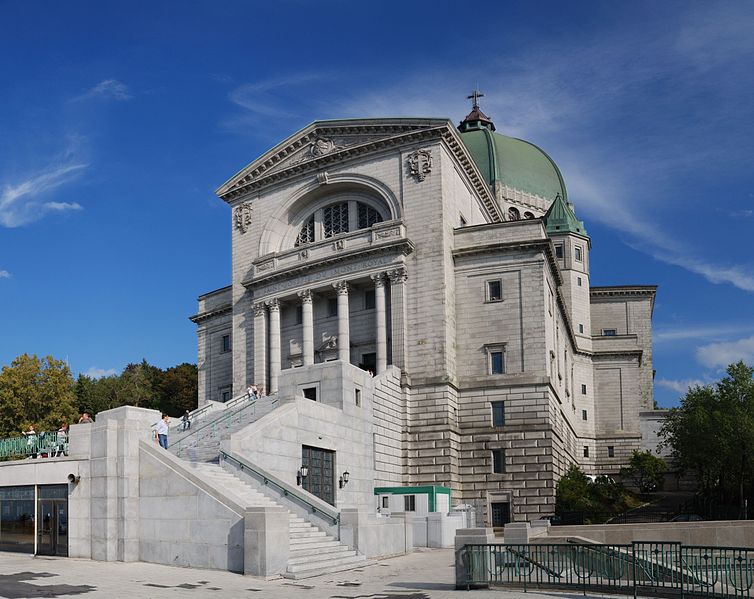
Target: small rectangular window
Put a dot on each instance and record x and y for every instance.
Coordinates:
(332, 306)
(581, 328)
(610, 451)
(226, 343)
(494, 291)
(578, 281)
(586, 451)
(497, 364)
(310, 393)
(583, 389)
(577, 253)
(369, 301)
(299, 314)
(498, 413)
(609, 332)
(385, 501)
(409, 503)
(559, 251)
(224, 396)
(357, 397)
(498, 461)
(584, 415)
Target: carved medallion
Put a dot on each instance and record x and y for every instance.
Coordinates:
(420, 164)
(242, 216)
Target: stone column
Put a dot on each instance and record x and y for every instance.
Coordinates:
(307, 321)
(397, 278)
(260, 345)
(344, 340)
(274, 307)
(380, 321)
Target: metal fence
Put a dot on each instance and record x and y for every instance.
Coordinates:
(645, 569)
(43, 444)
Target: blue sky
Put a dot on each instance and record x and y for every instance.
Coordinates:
(119, 119)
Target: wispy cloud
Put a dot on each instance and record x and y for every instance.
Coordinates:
(706, 332)
(98, 373)
(4, 274)
(21, 203)
(107, 89)
(266, 97)
(721, 354)
(682, 385)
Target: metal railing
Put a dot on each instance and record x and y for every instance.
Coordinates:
(202, 412)
(42, 444)
(639, 569)
(286, 490)
(214, 428)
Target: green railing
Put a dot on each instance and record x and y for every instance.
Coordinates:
(639, 569)
(284, 489)
(43, 444)
(241, 412)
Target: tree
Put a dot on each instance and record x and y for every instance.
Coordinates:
(37, 392)
(178, 389)
(646, 470)
(711, 434)
(172, 391)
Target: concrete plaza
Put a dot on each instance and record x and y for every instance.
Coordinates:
(425, 574)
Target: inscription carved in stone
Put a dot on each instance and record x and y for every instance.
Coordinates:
(242, 216)
(420, 164)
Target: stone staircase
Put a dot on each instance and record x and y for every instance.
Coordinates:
(312, 552)
(201, 443)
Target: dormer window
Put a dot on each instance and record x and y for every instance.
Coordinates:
(337, 218)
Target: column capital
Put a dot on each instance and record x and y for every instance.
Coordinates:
(273, 305)
(306, 296)
(398, 275)
(341, 287)
(259, 308)
(378, 279)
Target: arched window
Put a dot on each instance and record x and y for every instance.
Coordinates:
(513, 214)
(528, 215)
(336, 218)
(306, 234)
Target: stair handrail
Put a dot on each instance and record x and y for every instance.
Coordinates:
(228, 413)
(198, 412)
(286, 489)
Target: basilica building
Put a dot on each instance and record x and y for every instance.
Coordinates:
(414, 297)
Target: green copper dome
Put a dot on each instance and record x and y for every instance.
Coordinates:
(510, 161)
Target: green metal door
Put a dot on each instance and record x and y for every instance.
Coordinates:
(321, 477)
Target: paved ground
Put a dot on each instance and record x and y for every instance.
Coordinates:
(424, 574)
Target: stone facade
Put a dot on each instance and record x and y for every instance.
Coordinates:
(379, 243)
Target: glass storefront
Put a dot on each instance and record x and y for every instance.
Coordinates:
(17, 519)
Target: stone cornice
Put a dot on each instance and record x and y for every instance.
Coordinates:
(253, 177)
(398, 247)
(511, 246)
(216, 292)
(398, 133)
(629, 291)
(202, 316)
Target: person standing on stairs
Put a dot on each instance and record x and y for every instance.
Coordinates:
(186, 420)
(161, 431)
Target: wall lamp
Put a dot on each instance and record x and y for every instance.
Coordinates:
(302, 473)
(343, 480)
(73, 479)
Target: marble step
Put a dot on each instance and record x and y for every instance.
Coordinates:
(343, 554)
(300, 571)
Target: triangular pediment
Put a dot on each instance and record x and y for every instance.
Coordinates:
(321, 142)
